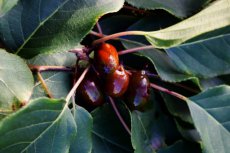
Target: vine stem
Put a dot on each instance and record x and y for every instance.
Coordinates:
(49, 68)
(118, 35)
(99, 28)
(132, 50)
(119, 115)
(175, 84)
(40, 78)
(175, 94)
(72, 91)
(96, 34)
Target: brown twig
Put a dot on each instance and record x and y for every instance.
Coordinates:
(49, 68)
(40, 78)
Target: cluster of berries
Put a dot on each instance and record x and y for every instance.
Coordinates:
(114, 81)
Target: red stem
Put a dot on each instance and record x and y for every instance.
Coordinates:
(116, 35)
(132, 50)
(175, 94)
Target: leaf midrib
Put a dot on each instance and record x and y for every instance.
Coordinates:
(39, 25)
(56, 120)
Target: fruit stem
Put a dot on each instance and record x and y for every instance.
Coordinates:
(132, 50)
(40, 78)
(72, 91)
(99, 28)
(119, 115)
(48, 68)
(116, 35)
(96, 34)
(175, 84)
(175, 94)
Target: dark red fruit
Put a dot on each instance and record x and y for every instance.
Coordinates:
(116, 83)
(106, 59)
(137, 94)
(89, 91)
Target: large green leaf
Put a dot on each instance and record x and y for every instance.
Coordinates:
(109, 136)
(6, 5)
(164, 66)
(83, 140)
(210, 112)
(177, 108)
(216, 81)
(58, 82)
(55, 59)
(16, 80)
(180, 8)
(185, 62)
(204, 58)
(44, 125)
(39, 26)
(203, 22)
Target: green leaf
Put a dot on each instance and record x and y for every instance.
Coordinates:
(204, 58)
(177, 108)
(58, 82)
(83, 140)
(55, 59)
(164, 66)
(41, 26)
(16, 80)
(149, 128)
(216, 81)
(203, 22)
(6, 5)
(179, 8)
(210, 112)
(109, 136)
(44, 125)
(182, 147)
(188, 131)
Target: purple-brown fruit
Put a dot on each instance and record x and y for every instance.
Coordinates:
(90, 91)
(116, 83)
(137, 94)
